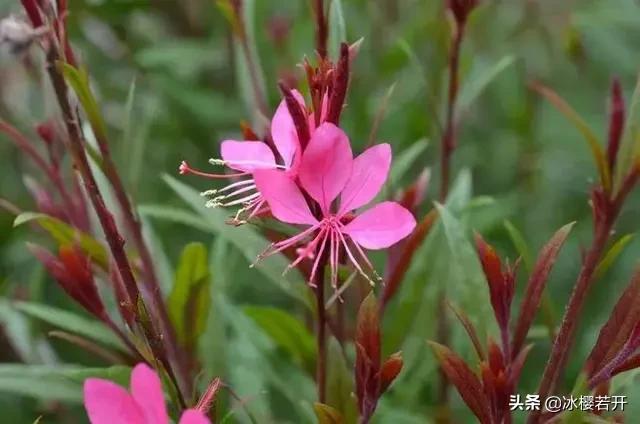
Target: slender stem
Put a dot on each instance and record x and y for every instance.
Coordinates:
(564, 338)
(448, 141)
(322, 32)
(252, 66)
(321, 338)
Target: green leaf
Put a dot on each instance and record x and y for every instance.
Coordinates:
(72, 323)
(520, 244)
(340, 383)
(78, 79)
(54, 382)
(16, 329)
(249, 242)
(629, 153)
(189, 301)
(405, 160)
(479, 81)
(286, 331)
(327, 414)
(65, 234)
(337, 28)
(612, 254)
(580, 124)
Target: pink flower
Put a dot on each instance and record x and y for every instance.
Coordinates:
(250, 156)
(327, 170)
(108, 403)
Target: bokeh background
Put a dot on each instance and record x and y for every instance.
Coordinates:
(171, 86)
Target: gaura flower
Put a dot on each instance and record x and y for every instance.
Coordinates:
(327, 171)
(108, 403)
(250, 156)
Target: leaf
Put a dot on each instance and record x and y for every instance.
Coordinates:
(189, 301)
(390, 370)
(245, 239)
(404, 161)
(588, 134)
(614, 334)
(629, 152)
(327, 414)
(536, 284)
(340, 382)
(612, 254)
(286, 331)
(465, 381)
(16, 329)
(64, 234)
(69, 321)
(337, 28)
(479, 81)
(59, 382)
(173, 214)
(78, 79)
(520, 244)
(469, 328)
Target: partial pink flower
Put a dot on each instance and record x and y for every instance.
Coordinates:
(108, 403)
(339, 184)
(248, 157)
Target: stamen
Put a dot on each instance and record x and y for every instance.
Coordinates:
(281, 245)
(305, 252)
(316, 262)
(184, 169)
(353, 259)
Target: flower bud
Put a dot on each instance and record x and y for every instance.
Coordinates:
(460, 9)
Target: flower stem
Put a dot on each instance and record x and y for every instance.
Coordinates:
(321, 337)
(564, 338)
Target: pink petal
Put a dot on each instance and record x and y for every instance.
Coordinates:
(326, 164)
(193, 416)
(146, 389)
(247, 155)
(370, 171)
(284, 197)
(108, 403)
(381, 226)
(283, 130)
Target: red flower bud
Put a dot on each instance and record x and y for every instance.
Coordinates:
(390, 370)
(46, 131)
(72, 270)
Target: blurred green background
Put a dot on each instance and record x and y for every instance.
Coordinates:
(170, 86)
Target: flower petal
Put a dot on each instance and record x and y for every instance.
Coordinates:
(326, 164)
(193, 416)
(370, 171)
(146, 389)
(283, 130)
(108, 403)
(247, 155)
(381, 226)
(284, 197)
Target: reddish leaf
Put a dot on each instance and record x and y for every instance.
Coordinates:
(616, 331)
(518, 364)
(469, 328)
(465, 380)
(630, 364)
(326, 414)
(367, 368)
(535, 286)
(390, 370)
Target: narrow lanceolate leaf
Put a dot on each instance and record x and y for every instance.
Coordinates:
(536, 284)
(588, 134)
(520, 244)
(629, 150)
(477, 83)
(189, 302)
(78, 79)
(610, 257)
(464, 379)
(327, 414)
(615, 332)
(337, 28)
(340, 382)
(64, 234)
(72, 323)
(469, 328)
(286, 331)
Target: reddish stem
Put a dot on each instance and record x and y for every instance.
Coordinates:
(322, 32)
(448, 141)
(564, 338)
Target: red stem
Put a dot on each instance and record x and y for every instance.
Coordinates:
(448, 141)
(564, 338)
(322, 32)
